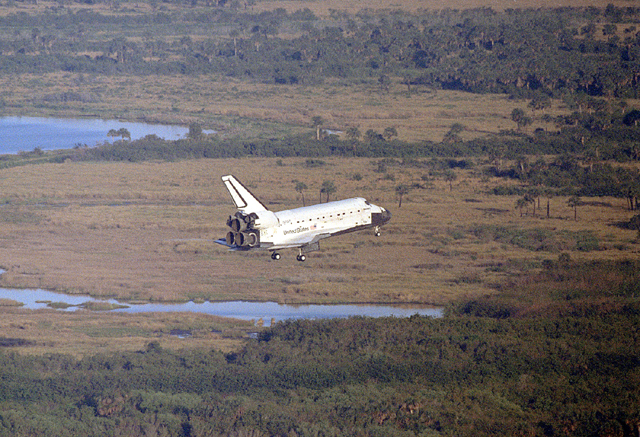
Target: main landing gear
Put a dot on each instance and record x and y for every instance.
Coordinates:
(301, 256)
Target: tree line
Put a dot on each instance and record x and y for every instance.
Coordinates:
(562, 51)
(582, 164)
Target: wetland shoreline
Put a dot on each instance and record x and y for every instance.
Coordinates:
(269, 312)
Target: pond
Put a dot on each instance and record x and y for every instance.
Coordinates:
(24, 134)
(267, 311)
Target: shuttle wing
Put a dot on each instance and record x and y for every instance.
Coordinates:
(307, 240)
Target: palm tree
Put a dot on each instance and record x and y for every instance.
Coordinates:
(124, 133)
(316, 122)
(401, 190)
(521, 203)
(328, 187)
(235, 34)
(450, 176)
(453, 136)
(113, 133)
(574, 202)
(548, 193)
(516, 115)
(300, 187)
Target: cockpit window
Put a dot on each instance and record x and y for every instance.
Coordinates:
(367, 202)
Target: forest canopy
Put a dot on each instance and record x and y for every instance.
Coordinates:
(524, 52)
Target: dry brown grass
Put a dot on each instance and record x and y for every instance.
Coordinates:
(145, 231)
(84, 333)
(324, 7)
(423, 115)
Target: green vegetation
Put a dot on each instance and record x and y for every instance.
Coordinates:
(550, 355)
(509, 139)
(534, 53)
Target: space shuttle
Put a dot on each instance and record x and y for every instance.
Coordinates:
(254, 226)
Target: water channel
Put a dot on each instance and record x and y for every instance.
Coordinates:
(267, 311)
(27, 133)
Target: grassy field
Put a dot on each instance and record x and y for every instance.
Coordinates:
(85, 333)
(147, 233)
(253, 109)
(324, 7)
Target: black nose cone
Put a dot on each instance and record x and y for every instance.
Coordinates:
(386, 216)
(381, 218)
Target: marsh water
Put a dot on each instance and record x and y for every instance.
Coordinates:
(27, 133)
(24, 134)
(267, 311)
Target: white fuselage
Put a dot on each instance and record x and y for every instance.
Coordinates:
(327, 218)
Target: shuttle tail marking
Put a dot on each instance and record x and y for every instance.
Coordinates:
(241, 196)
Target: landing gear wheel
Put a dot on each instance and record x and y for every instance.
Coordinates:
(377, 232)
(275, 256)
(301, 258)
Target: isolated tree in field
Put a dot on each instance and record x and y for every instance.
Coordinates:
(530, 198)
(521, 203)
(300, 187)
(574, 202)
(520, 118)
(450, 176)
(316, 122)
(517, 114)
(548, 193)
(401, 191)
(453, 136)
(328, 188)
(406, 80)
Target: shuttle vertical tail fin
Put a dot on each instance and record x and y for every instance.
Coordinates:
(242, 197)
